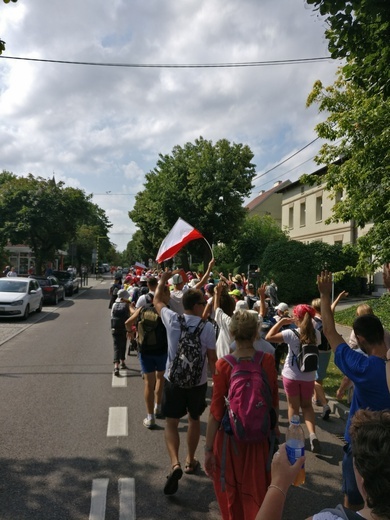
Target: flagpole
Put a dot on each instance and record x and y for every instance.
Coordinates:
(212, 255)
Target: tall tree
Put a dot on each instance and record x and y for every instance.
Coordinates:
(204, 183)
(248, 244)
(359, 32)
(44, 214)
(358, 159)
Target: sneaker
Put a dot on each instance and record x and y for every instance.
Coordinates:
(325, 412)
(116, 372)
(149, 423)
(124, 366)
(315, 445)
(316, 403)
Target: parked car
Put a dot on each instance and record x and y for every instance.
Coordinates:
(52, 290)
(69, 281)
(19, 296)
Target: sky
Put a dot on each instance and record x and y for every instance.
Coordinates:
(102, 128)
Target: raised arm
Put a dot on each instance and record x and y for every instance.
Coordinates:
(217, 294)
(274, 336)
(324, 282)
(158, 299)
(282, 475)
(206, 275)
(343, 294)
(263, 306)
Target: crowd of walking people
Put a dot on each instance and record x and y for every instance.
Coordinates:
(187, 327)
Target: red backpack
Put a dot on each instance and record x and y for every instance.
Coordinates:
(250, 415)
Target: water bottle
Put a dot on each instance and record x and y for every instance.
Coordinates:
(295, 446)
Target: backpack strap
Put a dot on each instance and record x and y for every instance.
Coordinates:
(299, 337)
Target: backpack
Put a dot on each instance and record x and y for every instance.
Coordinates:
(152, 334)
(307, 358)
(324, 342)
(187, 367)
(119, 314)
(251, 300)
(342, 512)
(249, 415)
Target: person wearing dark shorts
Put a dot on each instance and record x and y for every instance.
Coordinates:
(179, 402)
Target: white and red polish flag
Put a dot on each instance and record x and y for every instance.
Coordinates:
(177, 238)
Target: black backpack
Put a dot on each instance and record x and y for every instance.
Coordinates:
(187, 367)
(119, 314)
(307, 358)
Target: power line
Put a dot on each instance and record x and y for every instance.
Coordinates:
(285, 160)
(176, 66)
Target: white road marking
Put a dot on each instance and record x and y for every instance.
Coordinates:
(126, 488)
(117, 422)
(120, 381)
(98, 499)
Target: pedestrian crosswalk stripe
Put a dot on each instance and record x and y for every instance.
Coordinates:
(126, 499)
(117, 422)
(98, 499)
(120, 381)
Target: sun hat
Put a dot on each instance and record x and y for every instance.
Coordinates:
(282, 307)
(122, 294)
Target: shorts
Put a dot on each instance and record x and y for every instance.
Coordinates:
(323, 362)
(350, 488)
(150, 363)
(177, 402)
(295, 388)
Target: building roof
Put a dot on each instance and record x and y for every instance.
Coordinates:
(262, 197)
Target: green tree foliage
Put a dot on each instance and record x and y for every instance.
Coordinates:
(135, 251)
(44, 214)
(359, 31)
(358, 127)
(249, 242)
(294, 267)
(204, 183)
(2, 43)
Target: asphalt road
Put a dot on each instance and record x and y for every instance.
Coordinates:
(72, 441)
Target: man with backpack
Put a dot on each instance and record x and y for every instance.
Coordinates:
(191, 342)
(120, 313)
(152, 348)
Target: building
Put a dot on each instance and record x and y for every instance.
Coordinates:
(303, 210)
(269, 202)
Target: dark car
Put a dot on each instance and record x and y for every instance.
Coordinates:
(52, 290)
(69, 281)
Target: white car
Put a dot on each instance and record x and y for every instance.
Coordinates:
(19, 296)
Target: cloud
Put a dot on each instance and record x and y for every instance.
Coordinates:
(103, 128)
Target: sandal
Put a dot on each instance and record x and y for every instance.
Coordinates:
(191, 467)
(172, 483)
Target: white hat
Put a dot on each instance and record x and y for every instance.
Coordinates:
(176, 279)
(122, 294)
(241, 305)
(282, 307)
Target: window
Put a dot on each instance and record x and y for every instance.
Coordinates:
(302, 215)
(291, 217)
(319, 208)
